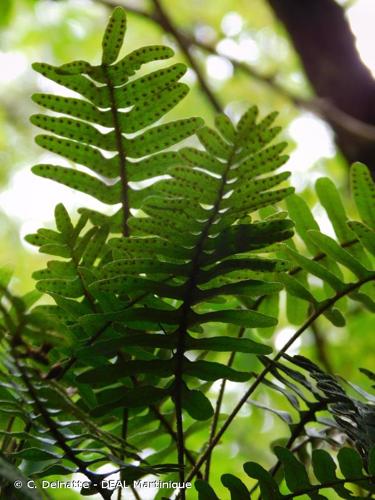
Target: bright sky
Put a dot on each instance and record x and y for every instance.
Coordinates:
(313, 136)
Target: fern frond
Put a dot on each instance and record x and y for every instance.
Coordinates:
(124, 106)
(311, 391)
(81, 248)
(218, 247)
(363, 188)
(151, 290)
(182, 196)
(191, 244)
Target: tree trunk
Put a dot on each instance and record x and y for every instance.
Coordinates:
(322, 37)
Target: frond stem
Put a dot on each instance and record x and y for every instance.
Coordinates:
(86, 292)
(121, 155)
(185, 309)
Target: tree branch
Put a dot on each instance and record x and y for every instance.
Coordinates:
(166, 23)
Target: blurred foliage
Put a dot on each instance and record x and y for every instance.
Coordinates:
(60, 31)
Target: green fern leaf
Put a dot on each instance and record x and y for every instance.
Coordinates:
(325, 471)
(350, 463)
(363, 192)
(365, 235)
(196, 404)
(134, 61)
(80, 181)
(74, 107)
(186, 245)
(226, 128)
(331, 201)
(205, 492)
(114, 36)
(303, 219)
(238, 490)
(107, 87)
(295, 473)
(268, 486)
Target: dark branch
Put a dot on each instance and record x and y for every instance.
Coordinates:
(166, 23)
